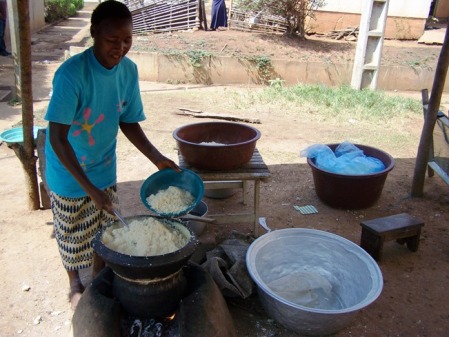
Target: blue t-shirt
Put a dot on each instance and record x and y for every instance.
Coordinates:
(92, 100)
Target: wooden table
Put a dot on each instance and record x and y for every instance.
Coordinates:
(255, 170)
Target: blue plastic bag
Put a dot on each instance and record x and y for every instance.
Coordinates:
(348, 159)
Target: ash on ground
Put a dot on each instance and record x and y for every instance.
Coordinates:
(150, 327)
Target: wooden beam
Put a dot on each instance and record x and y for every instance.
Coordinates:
(430, 118)
(203, 114)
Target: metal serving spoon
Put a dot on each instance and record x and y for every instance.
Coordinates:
(122, 219)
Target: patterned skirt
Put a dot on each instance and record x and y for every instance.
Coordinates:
(76, 221)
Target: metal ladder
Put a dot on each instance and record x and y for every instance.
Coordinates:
(368, 53)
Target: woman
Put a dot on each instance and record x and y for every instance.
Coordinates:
(94, 94)
(3, 15)
(219, 15)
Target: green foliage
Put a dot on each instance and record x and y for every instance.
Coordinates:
(59, 9)
(340, 101)
(277, 83)
(196, 57)
(295, 12)
(263, 65)
(79, 4)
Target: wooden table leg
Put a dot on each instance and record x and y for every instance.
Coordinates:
(256, 206)
(245, 188)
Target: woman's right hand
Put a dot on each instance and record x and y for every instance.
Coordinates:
(102, 200)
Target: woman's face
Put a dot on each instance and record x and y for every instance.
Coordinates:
(112, 41)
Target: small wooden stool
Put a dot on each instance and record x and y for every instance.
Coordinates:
(402, 227)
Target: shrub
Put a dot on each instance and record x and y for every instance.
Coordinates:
(59, 9)
(295, 12)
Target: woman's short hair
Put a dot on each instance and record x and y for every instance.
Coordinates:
(110, 9)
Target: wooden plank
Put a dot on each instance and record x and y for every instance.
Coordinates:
(254, 169)
(203, 114)
(437, 169)
(424, 146)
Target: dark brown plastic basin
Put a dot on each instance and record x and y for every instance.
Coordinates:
(238, 142)
(351, 191)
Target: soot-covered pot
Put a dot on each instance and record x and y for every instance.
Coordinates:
(149, 286)
(147, 267)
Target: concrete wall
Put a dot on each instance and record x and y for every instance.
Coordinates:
(230, 70)
(406, 18)
(398, 28)
(37, 15)
(403, 8)
(37, 19)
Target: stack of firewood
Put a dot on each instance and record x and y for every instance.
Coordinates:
(348, 34)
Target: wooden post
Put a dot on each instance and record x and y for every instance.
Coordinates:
(230, 15)
(21, 33)
(425, 107)
(430, 118)
(203, 8)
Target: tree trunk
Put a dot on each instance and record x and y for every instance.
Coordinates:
(301, 20)
(430, 118)
(25, 153)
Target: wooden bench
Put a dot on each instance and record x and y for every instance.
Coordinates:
(403, 228)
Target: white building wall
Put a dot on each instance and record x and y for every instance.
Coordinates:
(398, 8)
(37, 15)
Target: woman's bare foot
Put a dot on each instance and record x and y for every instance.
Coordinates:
(76, 288)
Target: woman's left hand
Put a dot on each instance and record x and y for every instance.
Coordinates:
(164, 163)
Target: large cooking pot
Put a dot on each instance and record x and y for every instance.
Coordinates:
(147, 267)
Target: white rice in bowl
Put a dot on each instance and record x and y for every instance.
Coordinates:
(212, 144)
(171, 200)
(144, 237)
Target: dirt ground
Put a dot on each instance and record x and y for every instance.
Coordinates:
(313, 49)
(414, 300)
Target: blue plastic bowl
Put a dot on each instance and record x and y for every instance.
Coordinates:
(15, 135)
(163, 179)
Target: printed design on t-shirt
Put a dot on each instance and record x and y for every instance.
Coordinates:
(121, 105)
(86, 126)
(84, 162)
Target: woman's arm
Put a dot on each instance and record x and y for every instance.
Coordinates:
(137, 137)
(60, 143)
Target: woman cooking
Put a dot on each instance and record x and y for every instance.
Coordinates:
(94, 94)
